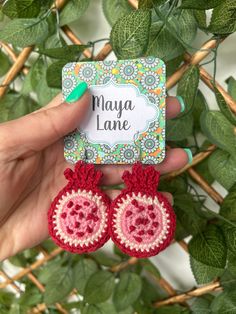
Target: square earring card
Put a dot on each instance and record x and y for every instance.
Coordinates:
(126, 119)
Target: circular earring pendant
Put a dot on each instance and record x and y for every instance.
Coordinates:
(78, 216)
(142, 221)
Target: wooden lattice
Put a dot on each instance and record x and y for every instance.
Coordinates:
(195, 59)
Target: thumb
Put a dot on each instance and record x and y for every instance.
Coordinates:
(36, 131)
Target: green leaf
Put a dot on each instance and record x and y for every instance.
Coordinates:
(149, 4)
(172, 309)
(71, 52)
(224, 302)
(228, 281)
(168, 40)
(48, 245)
(230, 237)
(118, 252)
(139, 307)
(104, 308)
(83, 270)
(92, 309)
(203, 167)
(23, 106)
(228, 207)
(15, 309)
(150, 268)
(5, 64)
(115, 9)
(103, 259)
(180, 128)
(200, 105)
(59, 285)
(72, 11)
(224, 108)
(232, 87)
(53, 41)
(1, 16)
(31, 297)
(36, 81)
(231, 266)
(219, 130)
(200, 4)
(180, 232)
(54, 73)
(204, 273)
(38, 70)
(99, 287)
(202, 304)
(33, 78)
(226, 25)
(13, 106)
(188, 86)
(130, 34)
(128, 310)
(150, 292)
(22, 8)
(201, 18)
(72, 305)
(30, 254)
(6, 103)
(6, 298)
(127, 290)
(209, 247)
(24, 32)
(46, 272)
(44, 92)
(18, 260)
(177, 185)
(52, 28)
(173, 64)
(188, 213)
(222, 167)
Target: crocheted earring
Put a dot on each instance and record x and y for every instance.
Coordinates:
(142, 221)
(78, 216)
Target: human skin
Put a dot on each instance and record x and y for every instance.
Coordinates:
(32, 165)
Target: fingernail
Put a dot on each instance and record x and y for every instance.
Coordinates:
(181, 101)
(190, 155)
(77, 92)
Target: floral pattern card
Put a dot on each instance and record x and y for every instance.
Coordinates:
(126, 120)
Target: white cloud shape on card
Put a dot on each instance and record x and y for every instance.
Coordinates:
(118, 112)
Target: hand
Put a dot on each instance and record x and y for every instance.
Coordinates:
(32, 166)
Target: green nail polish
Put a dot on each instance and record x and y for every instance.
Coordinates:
(181, 101)
(190, 155)
(77, 92)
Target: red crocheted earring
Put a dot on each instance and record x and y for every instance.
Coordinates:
(78, 216)
(142, 221)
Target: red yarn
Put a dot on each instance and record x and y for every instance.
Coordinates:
(142, 221)
(141, 179)
(79, 209)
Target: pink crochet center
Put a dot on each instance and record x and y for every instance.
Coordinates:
(121, 242)
(141, 226)
(79, 218)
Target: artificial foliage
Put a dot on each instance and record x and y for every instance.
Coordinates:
(54, 281)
